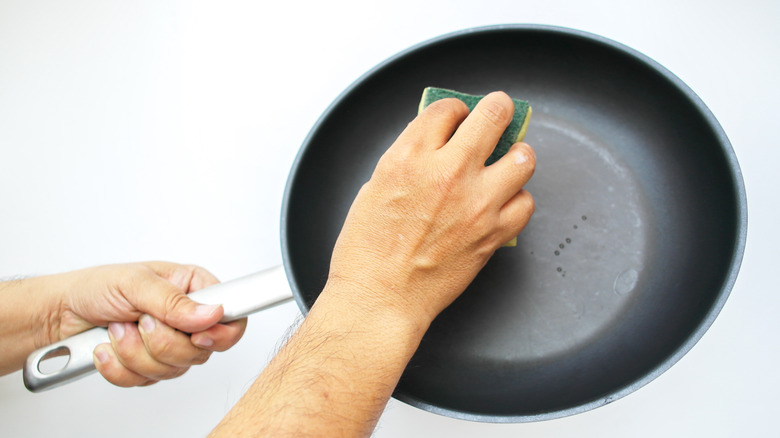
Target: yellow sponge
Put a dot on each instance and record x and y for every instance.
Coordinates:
(514, 132)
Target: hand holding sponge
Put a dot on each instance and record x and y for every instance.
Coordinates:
(514, 133)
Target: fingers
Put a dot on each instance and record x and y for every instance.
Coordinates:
(159, 346)
(505, 179)
(186, 277)
(221, 336)
(507, 176)
(478, 135)
(114, 371)
(515, 214)
(434, 126)
(156, 296)
(167, 346)
(151, 351)
(128, 362)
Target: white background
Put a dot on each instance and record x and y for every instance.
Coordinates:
(165, 130)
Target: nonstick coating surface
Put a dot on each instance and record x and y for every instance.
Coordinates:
(635, 244)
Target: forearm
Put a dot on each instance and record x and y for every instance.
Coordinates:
(27, 320)
(334, 376)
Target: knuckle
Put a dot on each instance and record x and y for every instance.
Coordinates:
(200, 358)
(479, 220)
(530, 204)
(398, 156)
(449, 108)
(398, 168)
(487, 223)
(159, 349)
(523, 159)
(496, 112)
(530, 158)
(446, 181)
(448, 175)
(173, 302)
(202, 277)
(479, 211)
(131, 279)
(122, 354)
(181, 276)
(396, 161)
(531, 162)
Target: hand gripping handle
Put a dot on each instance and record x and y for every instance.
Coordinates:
(239, 298)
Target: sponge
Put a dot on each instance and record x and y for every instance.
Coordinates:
(514, 132)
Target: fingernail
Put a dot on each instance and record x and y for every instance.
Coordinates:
(203, 341)
(117, 330)
(206, 309)
(147, 323)
(101, 355)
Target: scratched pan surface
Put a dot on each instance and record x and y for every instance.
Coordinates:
(634, 247)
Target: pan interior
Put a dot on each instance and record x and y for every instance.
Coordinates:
(629, 252)
(577, 264)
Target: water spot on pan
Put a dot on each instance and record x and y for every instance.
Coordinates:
(625, 281)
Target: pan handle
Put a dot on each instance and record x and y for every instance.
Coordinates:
(239, 298)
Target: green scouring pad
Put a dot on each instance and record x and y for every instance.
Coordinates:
(514, 132)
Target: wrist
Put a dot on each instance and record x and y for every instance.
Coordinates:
(44, 298)
(29, 321)
(370, 308)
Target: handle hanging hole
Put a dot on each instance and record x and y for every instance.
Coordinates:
(54, 361)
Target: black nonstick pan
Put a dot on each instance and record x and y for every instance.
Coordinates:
(636, 242)
(637, 238)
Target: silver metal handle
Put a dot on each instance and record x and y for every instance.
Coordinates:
(239, 298)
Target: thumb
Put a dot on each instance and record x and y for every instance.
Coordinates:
(171, 305)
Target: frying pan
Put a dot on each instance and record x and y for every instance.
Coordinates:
(636, 242)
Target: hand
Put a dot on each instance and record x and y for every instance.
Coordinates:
(416, 235)
(149, 319)
(432, 214)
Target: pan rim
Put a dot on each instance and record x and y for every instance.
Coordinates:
(725, 148)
